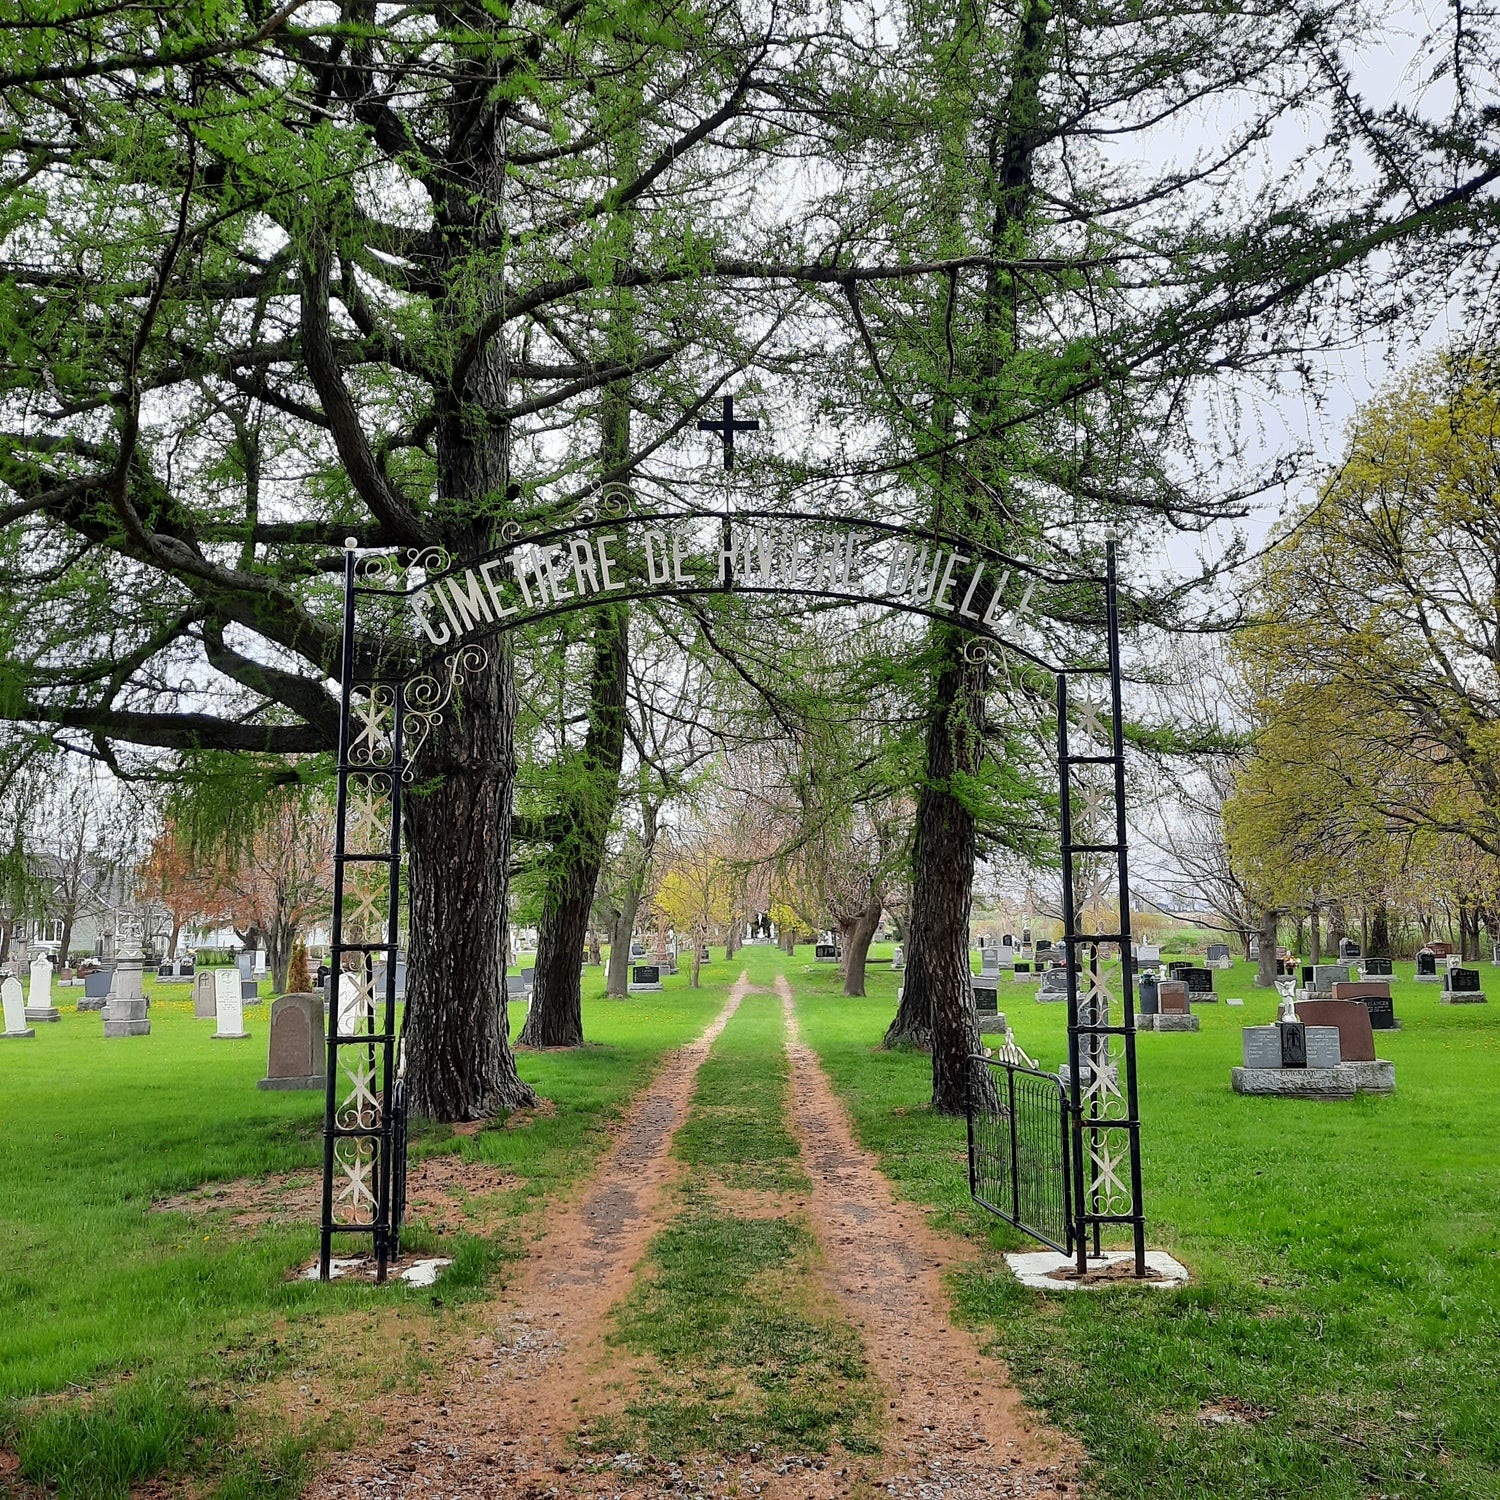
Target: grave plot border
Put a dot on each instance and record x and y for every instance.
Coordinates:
(394, 689)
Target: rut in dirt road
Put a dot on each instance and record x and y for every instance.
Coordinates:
(502, 1426)
(958, 1426)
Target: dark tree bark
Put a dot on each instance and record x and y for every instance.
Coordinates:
(857, 945)
(618, 976)
(937, 1004)
(459, 1062)
(571, 868)
(1317, 936)
(1380, 931)
(1265, 969)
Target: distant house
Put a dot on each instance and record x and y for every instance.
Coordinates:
(83, 902)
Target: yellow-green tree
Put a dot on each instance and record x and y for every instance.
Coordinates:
(696, 891)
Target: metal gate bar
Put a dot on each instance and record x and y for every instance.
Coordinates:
(1018, 1148)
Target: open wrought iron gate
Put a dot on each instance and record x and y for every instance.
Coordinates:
(1020, 1148)
(1099, 1175)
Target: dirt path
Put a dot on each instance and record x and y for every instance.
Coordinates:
(958, 1427)
(502, 1426)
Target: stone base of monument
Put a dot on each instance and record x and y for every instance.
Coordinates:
(1167, 1023)
(1027, 978)
(633, 987)
(991, 1023)
(1378, 1077)
(1428, 978)
(17, 1034)
(43, 1013)
(1294, 1083)
(125, 1018)
(1048, 1271)
(230, 1036)
(93, 1002)
(1448, 997)
(279, 1085)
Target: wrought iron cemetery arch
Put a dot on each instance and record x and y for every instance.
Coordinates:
(398, 680)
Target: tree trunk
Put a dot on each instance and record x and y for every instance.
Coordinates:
(1317, 936)
(571, 869)
(937, 1005)
(280, 939)
(458, 812)
(619, 947)
(594, 946)
(67, 939)
(857, 949)
(697, 960)
(731, 940)
(1265, 969)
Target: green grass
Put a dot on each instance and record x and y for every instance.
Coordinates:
(99, 1289)
(1346, 1276)
(745, 1349)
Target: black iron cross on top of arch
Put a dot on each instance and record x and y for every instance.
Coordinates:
(726, 427)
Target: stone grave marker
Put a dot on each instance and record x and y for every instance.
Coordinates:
(96, 989)
(1254, 947)
(39, 1006)
(986, 997)
(1325, 976)
(1005, 954)
(645, 977)
(898, 958)
(229, 1006)
(825, 953)
(1147, 956)
(124, 1013)
(1042, 947)
(1375, 968)
(204, 1006)
(1200, 983)
(1441, 950)
(1150, 995)
(989, 961)
(1218, 956)
(1375, 996)
(1348, 950)
(1054, 985)
(1462, 988)
(298, 1056)
(1173, 998)
(1427, 967)
(14, 1004)
(1350, 1019)
(1305, 976)
(1494, 955)
(516, 987)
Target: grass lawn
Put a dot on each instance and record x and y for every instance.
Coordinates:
(1339, 1335)
(131, 1336)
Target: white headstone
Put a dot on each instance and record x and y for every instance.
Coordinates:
(39, 1006)
(15, 1007)
(229, 1008)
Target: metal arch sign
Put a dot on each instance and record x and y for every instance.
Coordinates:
(613, 554)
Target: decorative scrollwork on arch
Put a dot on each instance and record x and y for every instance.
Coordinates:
(430, 559)
(980, 651)
(428, 697)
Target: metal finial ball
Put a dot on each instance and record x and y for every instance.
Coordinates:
(350, 543)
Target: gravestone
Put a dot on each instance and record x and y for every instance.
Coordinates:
(204, 1008)
(298, 1056)
(1441, 950)
(1494, 954)
(1150, 998)
(96, 989)
(1375, 996)
(898, 958)
(637, 949)
(1375, 968)
(1348, 950)
(1005, 955)
(516, 987)
(1218, 956)
(1350, 1019)
(1026, 972)
(14, 1004)
(825, 953)
(380, 977)
(989, 961)
(986, 998)
(1427, 970)
(1325, 976)
(1200, 983)
(1054, 985)
(39, 1006)
(1147, 956)
(1043, 946)
(645, 977)
(229, 1006)
(124, 1013)
(1462, 988)
(1285, 968)
(1172, 998)
(1254, 947)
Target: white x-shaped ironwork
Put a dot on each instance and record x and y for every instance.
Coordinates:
(357, 1196)
(1089, 713)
